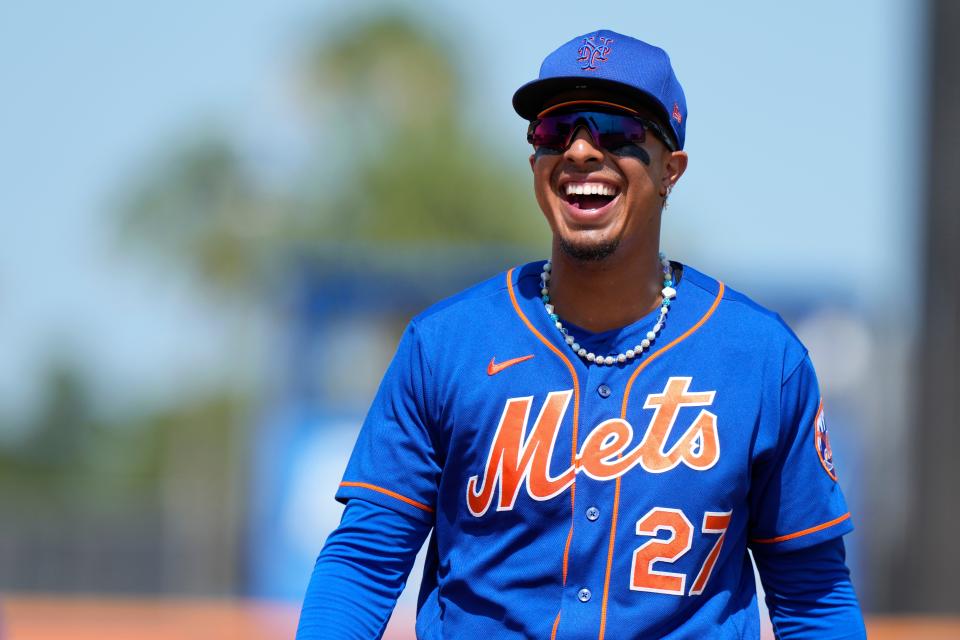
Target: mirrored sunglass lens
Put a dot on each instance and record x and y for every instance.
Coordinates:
(608, 130)
(551, 132)
(615, 130)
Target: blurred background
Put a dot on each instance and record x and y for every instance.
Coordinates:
(218, 217)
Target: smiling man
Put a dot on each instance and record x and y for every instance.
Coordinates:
(598, 439)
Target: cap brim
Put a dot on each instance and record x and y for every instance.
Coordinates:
(533, 97)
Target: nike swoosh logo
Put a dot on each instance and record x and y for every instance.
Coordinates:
(496, 367)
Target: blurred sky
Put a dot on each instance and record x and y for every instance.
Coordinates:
(805, 137)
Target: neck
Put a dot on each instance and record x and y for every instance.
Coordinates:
(609, 293)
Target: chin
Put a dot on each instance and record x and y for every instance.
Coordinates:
(586, 251)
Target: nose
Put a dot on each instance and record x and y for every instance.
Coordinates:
(582, 148)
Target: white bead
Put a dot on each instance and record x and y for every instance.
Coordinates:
(668, 292)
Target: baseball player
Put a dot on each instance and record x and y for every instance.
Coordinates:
(594, 442)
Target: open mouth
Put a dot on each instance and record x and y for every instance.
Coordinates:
(589, 195)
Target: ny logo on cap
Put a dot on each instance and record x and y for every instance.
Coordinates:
(591, 52)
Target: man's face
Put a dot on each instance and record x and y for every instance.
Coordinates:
(600, 201)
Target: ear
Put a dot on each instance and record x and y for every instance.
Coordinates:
(533, 160)
(675, 163)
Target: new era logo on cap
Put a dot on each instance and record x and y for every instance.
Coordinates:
(629, 71)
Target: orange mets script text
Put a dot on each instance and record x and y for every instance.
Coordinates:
(516, 458)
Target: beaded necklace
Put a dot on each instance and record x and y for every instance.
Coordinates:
(668, 293)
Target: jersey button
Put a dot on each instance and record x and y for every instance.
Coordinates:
(584, 595)
(604, 391)
(593, 513)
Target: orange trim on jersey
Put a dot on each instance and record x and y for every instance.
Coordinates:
(798, 534)
(556, 623)
(566, 546)
(623, 415)
(392, 494)
(656, 354)
(576, 418)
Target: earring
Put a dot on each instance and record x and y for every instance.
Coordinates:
(666, 196)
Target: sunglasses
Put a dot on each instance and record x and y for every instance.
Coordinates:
(608, 130)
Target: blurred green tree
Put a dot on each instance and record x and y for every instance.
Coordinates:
(395, 167)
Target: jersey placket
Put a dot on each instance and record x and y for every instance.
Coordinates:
(581, 609)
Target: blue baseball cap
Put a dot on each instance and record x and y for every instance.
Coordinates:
(626, 70)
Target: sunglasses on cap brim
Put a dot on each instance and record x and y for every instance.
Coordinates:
(610, 129)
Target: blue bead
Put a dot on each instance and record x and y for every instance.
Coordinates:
(666, 303)
(554, 317)
(545, 298)
(668, 283)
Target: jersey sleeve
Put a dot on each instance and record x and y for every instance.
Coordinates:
(394, 462)
(809, 593)
(795, 500)
(360, 573)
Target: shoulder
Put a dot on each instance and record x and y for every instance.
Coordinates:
(735, 305)
(472, 324)
(489, 298)
(739, 318)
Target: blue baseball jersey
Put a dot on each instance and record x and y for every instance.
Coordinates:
(571, 500)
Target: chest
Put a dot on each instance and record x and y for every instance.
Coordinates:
(523, 434)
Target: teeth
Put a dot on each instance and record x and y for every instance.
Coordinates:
(590, 189)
